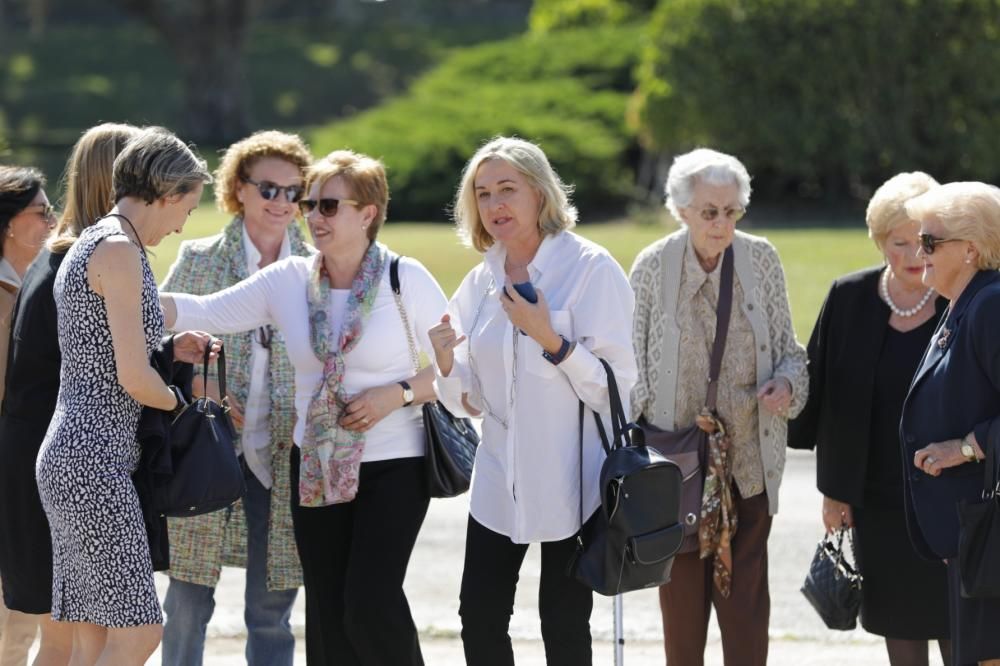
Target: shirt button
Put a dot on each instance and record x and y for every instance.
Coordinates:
(763, 347)
(749, 306)
(770, 473)
(767, 432)
(910, 439)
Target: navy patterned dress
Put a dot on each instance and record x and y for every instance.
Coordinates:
(102, 573)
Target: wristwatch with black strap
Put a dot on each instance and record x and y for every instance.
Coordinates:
(407, 394)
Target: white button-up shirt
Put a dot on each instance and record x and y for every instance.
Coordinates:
(255, 440)
(526, 480)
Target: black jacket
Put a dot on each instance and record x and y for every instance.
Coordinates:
(956, 390)
(155, 465)
(843, 354)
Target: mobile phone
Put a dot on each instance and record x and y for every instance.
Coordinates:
(526, 289)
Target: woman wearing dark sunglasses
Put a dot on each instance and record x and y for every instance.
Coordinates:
(26, 219)
(763, 382)
(866, 345)
(259, 182)
(357, 484)
(951, 416)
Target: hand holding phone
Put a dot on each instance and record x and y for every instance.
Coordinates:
(526, 290)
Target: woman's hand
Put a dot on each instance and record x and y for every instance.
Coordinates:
(836, 515)
(206, 386)
(532, 318)
(938, 456)
(444, 339)
(189, 346)
(371, 406)
(776, 396)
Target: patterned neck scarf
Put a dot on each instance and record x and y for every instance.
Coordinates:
(331, 456)
(718, 512)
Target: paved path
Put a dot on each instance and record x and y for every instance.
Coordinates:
(797, 636)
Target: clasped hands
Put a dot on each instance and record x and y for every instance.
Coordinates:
(938, 456)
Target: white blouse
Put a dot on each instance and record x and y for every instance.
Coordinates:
(526, 480)
(276, 295)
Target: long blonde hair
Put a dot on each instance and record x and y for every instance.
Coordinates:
(87, 181)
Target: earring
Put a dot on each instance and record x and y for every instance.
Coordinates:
(968, 261)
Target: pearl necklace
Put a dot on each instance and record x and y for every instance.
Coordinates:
(896, 310)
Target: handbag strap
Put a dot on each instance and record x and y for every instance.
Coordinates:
(724, 309)
(220, 364)
(991, 474)
(398, 297)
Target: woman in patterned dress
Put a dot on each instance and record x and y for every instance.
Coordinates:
(109, 323)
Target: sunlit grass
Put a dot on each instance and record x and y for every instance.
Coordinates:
(812, 257)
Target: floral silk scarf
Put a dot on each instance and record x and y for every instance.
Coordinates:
(718, 512)
(331, 456)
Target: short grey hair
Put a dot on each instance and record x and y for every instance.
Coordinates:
(156, 164)
(557, 212)
(703, 165)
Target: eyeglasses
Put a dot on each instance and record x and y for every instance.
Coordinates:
(929, 243)
(327, 207)
(733, 215)
(47, 211)
(269, 191)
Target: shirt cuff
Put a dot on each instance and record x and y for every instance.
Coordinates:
(450, 389)
(580, 365)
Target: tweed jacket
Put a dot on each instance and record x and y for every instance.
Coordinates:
(200, 546)
(655, 278)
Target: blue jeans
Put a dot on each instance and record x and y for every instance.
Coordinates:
(188, 606)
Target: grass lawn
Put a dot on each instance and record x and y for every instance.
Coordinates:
(812, 257)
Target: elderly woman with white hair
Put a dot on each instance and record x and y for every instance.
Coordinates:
(531, 322)
(951, 415)
(763, 382)
(866, 345)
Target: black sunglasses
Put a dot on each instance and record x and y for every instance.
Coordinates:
(47, 211)
(270, 191)
(327, 207)
(929, 243)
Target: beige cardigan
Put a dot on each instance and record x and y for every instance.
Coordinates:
(655, 278)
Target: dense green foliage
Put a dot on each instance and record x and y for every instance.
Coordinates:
(567, 91)
(549, 15)
(827, 96)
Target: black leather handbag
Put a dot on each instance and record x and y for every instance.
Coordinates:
(207, 475)
(688, 447)
(451, 441)
(630, 543)
(979, 531)
(833, 585)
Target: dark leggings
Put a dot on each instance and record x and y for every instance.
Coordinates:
(492, 564)
(354, 557)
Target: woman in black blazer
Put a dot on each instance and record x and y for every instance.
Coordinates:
(954, 399)
(864, 349)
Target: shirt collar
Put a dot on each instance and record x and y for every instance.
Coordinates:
(694, 274)
(8, 274)
(546, 255)
(253, 254)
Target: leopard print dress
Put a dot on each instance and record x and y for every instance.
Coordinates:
(102, 572)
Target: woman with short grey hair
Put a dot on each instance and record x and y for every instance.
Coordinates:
(763, 383)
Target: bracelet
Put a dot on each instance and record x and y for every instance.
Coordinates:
(559, 356)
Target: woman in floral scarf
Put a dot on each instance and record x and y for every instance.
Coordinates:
(358, 492)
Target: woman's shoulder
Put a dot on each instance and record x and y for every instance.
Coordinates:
(650, 256)
(858, 282)
(414, 274)
(984, 308)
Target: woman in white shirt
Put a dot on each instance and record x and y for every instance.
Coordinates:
(525, 367)
(358, 491)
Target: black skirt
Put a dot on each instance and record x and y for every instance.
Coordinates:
(902, 596)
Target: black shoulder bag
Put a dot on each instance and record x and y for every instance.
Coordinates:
(451, 441)
(207, 475)
(630, 542)
(979, 530)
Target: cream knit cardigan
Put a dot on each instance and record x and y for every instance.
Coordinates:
(656, 277)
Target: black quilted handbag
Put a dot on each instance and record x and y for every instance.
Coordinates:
(451, 441)
(207, 475)
(833, 585)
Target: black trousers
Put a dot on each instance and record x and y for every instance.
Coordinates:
(492, 564)
(354, 557)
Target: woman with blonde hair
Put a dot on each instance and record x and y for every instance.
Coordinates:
(109, 323)
(32, 383)
(531, 323)
(358, 490)
(951, 416)
(866, 345)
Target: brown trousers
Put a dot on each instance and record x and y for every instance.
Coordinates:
(686, 601)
